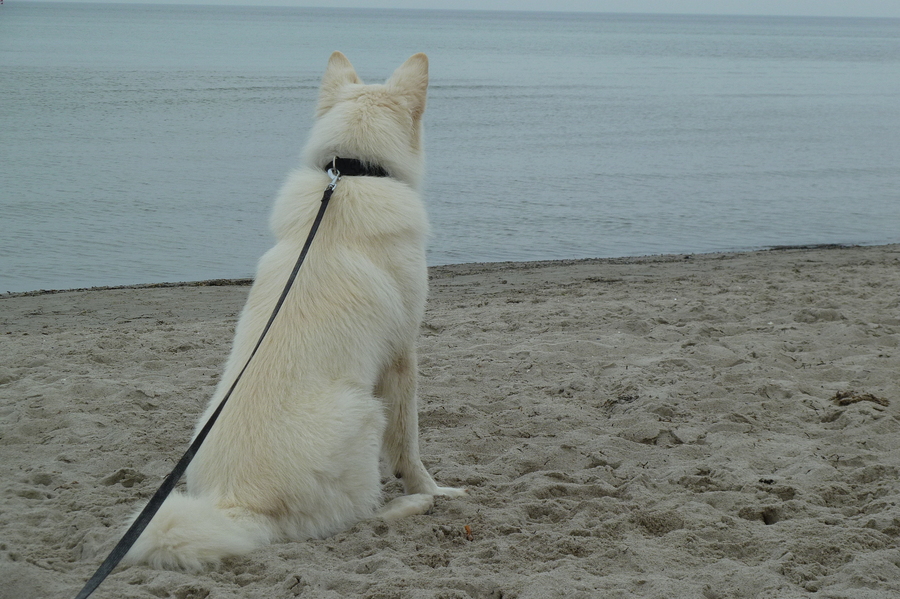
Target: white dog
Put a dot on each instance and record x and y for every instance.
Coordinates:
(295, 452)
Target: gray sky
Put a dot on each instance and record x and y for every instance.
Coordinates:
(839, 8)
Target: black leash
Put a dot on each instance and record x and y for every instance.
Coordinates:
(146, 515)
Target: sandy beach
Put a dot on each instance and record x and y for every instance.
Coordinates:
(709, 426)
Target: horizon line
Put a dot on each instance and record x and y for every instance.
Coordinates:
(287, 4)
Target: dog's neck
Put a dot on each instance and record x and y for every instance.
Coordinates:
(351, 167)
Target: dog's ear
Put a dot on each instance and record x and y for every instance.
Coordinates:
(411, 80)
(338, 73)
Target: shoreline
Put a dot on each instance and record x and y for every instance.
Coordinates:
(245, 281)
(726, 425)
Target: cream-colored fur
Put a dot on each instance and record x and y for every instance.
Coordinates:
(295, 452)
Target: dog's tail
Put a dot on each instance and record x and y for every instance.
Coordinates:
(189, 533)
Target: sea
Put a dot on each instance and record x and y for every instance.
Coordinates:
(145, 143)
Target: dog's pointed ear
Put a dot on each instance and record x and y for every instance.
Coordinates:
(338, 73)
(411, 80)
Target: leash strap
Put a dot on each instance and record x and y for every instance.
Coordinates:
(146, 515)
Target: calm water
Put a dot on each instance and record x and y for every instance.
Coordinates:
(143, 143)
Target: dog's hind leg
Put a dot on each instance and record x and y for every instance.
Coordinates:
(397, 388)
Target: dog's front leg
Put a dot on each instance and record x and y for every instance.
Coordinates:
(397, 389)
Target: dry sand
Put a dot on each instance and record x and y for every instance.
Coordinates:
(656, 427)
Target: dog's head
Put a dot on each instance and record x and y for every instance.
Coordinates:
(378, 124)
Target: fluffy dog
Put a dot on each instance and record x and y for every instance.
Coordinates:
(295, 452)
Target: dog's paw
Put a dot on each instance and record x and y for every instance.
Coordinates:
(407, 505)
(451, 492)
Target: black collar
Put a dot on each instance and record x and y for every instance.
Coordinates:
(351, 167)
